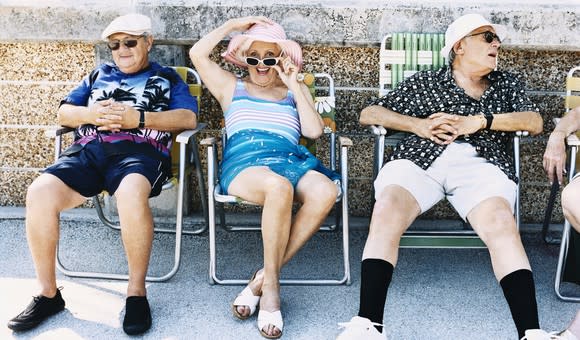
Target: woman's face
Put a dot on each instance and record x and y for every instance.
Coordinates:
(261, 74)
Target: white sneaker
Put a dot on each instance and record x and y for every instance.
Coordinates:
(540, 334)
(360, 329)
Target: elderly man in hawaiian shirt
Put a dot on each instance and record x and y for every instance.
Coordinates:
(460, 119)
(124, 113)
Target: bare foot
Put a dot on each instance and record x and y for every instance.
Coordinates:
(270, 302)
(256, 287)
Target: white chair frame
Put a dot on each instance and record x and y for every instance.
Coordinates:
(215, 197)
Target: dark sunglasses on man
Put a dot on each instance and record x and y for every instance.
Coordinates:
(128, 42)
(487, 35)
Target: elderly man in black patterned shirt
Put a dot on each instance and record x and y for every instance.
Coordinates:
(460, 119)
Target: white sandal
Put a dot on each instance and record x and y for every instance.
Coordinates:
(266, 318)
(245, 298)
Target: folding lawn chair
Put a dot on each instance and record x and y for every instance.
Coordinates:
(187, 155)
(401, 56)
(326, 107)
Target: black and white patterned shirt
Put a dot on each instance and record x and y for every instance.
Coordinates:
(428, 92)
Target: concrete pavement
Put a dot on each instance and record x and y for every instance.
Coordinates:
(435, 294)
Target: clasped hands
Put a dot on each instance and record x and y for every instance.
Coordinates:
(113, 116)
(444, 128)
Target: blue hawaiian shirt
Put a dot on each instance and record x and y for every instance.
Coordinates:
(153, 89)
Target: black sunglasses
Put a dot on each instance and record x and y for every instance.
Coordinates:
(266, 61)
(128, 42)
(488, 36)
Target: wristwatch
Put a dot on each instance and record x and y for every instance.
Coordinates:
(141, 118)
(489, 118)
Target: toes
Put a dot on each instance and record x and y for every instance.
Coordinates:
(271, 330)
(243, 310)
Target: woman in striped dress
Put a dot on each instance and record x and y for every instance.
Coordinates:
(265, 113)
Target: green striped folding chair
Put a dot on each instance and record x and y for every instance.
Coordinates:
(401, 56)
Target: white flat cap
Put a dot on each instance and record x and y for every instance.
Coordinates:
(465, 24)
(134, 24)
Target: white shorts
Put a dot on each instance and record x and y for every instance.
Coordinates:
(458, 174)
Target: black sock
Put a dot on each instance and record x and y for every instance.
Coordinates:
(520, 293)
(376, 276)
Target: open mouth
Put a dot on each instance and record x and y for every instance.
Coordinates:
(262, 70)
(493, 54)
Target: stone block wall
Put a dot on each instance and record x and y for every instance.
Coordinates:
(35, 73)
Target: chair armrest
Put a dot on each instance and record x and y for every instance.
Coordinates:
(184, 136)
(573, 140)
(344, 141)
(208, 141)
(378, 130)
(55, 131)
(522, 133)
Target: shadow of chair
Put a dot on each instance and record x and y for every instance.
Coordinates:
(401, 56)
(187, 156)
(216, 199)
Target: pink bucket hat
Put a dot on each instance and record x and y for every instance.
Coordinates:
(259, 32)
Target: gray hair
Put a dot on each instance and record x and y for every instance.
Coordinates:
(451, 57)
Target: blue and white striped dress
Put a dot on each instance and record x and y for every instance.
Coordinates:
(247, 112)
(265, 133)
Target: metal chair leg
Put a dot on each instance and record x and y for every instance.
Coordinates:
(548, 215)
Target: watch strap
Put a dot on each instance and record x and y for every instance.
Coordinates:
(489, 118)
(141, 119)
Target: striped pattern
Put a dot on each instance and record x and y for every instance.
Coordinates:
(247, 112)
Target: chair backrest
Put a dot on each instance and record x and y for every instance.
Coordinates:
(193, 81)
(403, 54)
(572, 99)
(321, 86)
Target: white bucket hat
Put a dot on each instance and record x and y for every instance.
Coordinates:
(134, 24)
(465, 24)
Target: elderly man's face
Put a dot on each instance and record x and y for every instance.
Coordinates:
(480, 47)
(129, 58)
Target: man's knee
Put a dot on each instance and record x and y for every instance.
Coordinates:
(395, 200)
(133, 187)
(45, 189)
(498, 226)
